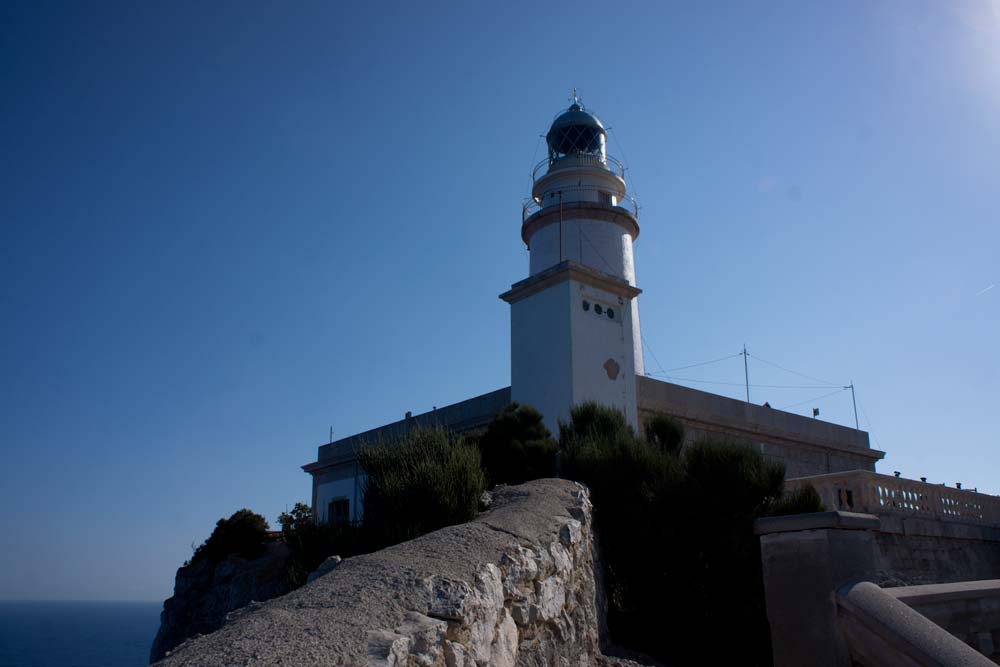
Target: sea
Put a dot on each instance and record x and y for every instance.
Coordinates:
(77, 634)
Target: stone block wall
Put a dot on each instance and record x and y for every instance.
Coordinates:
(814, 563)
(805, 446)
(912, 550)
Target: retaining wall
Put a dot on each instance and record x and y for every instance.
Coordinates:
(514, 587)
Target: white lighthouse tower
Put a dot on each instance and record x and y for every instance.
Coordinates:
(575, 319)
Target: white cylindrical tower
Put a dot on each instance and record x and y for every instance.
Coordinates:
(575, 318)
(580, 209)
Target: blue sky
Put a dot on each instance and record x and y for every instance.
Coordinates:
(226, 227)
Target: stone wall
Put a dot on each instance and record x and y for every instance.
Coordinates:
(805, 446)
(912, 551)
(516, 586)
(927, 533)
(811, 562)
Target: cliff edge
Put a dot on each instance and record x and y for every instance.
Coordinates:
(205, 591)
(516, 586)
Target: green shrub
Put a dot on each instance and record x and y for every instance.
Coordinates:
(425, 482)
(243, 534)
(676, 535)
(311, 544)
(665, 433)
(801, 501)
(517, 447)
(628, 478)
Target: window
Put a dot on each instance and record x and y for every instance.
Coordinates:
(338, 512)
(586, 305)
(604, 197)
(598, 309)
(611, 313)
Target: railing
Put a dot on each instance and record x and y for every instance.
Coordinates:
(579, 160)
(880, 629)
(865, 491)
(581, 194)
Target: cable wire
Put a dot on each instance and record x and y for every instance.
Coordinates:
(628, 169)
(531, 167)
(596, 251)
(871, 429)
(812, 400)
(788, 370)
(705, 363)
(742, 384)
(643, 338)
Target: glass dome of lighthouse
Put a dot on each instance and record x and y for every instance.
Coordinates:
(577, 132)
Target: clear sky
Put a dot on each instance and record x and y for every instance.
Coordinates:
(227, 227)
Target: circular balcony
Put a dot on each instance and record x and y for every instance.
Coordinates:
(549, 165)
(589, 196)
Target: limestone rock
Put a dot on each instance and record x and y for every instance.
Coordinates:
(207, 593)
(387, 649)
(324, 567)
(504, 650)
(426, 638)
(551, 598)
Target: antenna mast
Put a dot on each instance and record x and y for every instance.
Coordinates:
(855, 402)
(746, 372)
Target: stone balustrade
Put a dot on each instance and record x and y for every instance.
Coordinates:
(872, 493)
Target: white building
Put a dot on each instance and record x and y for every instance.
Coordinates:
(575, 334)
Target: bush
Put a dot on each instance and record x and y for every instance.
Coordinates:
(312, 544)
(425, 482)
(676, 533)
(800, 501)
(517, 447)
(665, 433)
(243, 534)
(628, 478)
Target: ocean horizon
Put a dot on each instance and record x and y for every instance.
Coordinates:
(76, 633)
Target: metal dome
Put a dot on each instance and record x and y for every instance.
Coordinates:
(576, 130)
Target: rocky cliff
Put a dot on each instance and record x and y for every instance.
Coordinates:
(515, 587)
(205, 591)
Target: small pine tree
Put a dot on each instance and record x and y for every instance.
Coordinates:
(665, 433)
(243, 534)
(517, 447)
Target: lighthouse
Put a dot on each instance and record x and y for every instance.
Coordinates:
(575, 318)
(574, 325)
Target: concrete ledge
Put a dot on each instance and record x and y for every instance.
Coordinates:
(569, 270)
(936, 593)
(918, 526)
(881, 630)
(816, 521)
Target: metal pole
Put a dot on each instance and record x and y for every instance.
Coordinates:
(560, 226)
(855, 402)
(746, 372)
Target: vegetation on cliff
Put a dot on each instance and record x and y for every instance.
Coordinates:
(517, 447)
(429, 481)
(310, 543)
(242, 534)
(675, 520)
(676, 534)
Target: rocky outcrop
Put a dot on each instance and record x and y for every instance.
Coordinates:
(515, 587)
(205, 591)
